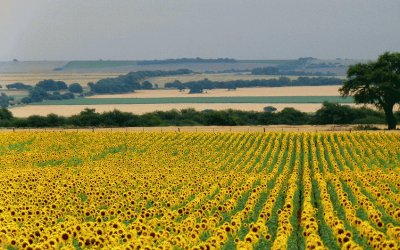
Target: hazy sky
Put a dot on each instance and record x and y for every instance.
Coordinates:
(157, 29)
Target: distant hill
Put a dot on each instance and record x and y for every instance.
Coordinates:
(187, 60)
(217, 65)
(100, 64)
(30, 66)
(194, 64)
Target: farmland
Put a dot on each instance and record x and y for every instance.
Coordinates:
(306, 98)
(84, 77)
(33, 78)
(119, 66)
(161, 81)
(256, 91)
(228, 99)
(184, 190)
(172, 94)
(148, 104)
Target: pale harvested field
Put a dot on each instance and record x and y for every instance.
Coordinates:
(276, 91)
(33, 78)
(68, 110)
(13, 92)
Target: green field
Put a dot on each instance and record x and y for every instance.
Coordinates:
(96, 64)
(238, 99)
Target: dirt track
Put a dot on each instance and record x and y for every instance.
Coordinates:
(268, 128)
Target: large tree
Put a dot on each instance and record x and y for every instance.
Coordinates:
(75, 88)
(376, 83)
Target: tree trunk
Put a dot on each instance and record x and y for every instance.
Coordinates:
(390, 118)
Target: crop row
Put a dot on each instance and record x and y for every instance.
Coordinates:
(128, 190)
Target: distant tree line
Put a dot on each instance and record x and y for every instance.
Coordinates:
(278, 71)
(330, 113)
(43, 90)
(51, 90)
(308, 63)
(58, 90)
(186, 60)
(227, 71)
(280, 82)
(4, 100)
(131, 81)
(18, 86)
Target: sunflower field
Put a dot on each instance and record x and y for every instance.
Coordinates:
(183, 190)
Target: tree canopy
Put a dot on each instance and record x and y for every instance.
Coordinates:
(131, 81)
(279, 82)
(329, 114)
(18, 85)
(376, 83)
(51, 85)
(75, 88)
(4, 100)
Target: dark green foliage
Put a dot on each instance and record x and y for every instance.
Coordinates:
(185, 117)
(57, 96)
(83, 197)
(50, 120)
(334, 113)
(176, 85)
(4, 100)
(113, 86)
(147, 85)
(19, 86)
(196, 90)
(376, 83)
(86, 118)
(38, 94)
(229, 244)
(5, 114)
(205, 235)
(117, 118)
(266, 71)
(131, 81)
(269, 109)
(75, 88)
(51, 85)
(292, 116)
(5, 117)
(280, 82)
(26, 100)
